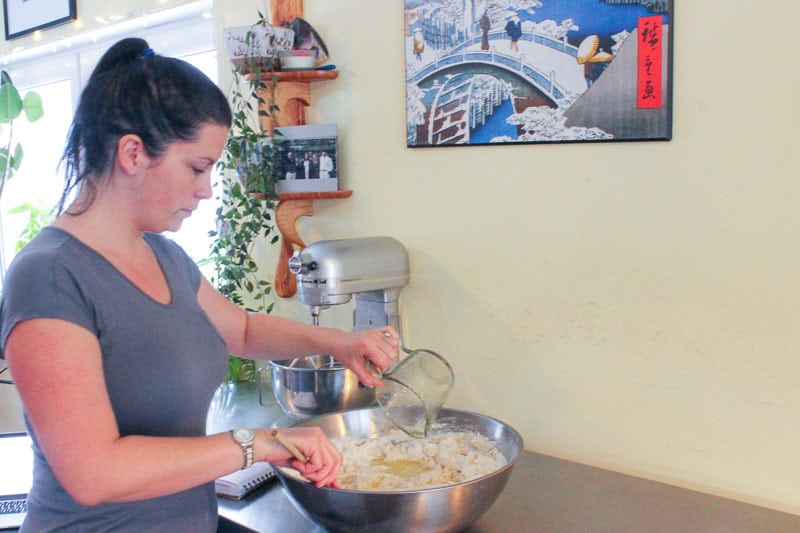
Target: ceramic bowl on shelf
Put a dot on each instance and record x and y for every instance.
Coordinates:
(307, 38)
(297, 59)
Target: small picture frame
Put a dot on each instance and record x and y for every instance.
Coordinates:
(306, 158)
(26, 16)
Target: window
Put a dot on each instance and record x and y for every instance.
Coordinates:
(58, 77)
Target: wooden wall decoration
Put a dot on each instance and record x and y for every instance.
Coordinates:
(291, 93)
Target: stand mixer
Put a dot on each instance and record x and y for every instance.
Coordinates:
(373, 269)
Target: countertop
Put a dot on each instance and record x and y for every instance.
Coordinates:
(543, 494)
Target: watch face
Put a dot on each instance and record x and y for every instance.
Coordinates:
(243, 435)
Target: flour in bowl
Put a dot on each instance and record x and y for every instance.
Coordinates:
(396, 462)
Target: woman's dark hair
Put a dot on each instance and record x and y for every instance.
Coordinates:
(133, 90)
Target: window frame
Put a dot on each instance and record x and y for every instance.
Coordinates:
(178, 32)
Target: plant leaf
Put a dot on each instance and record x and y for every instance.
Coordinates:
(3, 161)
(10, 103)
(16, 157)
(32, 105)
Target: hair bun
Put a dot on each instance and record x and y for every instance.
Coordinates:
(122, 53)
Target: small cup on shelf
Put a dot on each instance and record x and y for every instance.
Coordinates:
(304, 59)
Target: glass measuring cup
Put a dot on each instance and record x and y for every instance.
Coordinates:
(415, 390)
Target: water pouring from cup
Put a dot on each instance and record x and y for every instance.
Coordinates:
(415, 390)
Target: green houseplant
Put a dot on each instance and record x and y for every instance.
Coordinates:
(12, 108)
(248, 198)
(38, 216)
(243, 221)
(248, 151)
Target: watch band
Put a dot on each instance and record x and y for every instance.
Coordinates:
(244, 438)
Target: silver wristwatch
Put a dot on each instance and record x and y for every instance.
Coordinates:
(244, 438)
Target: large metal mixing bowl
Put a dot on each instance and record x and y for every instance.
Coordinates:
(310, 386)
(443, 509)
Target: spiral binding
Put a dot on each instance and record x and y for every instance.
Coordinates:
(259, 481)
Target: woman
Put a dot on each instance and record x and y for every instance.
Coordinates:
(117, 343)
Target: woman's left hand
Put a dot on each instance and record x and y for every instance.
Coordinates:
(369, 352)
(321, 459)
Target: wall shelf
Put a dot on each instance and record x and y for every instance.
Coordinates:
(286, 94)
(321, 195)
(292, 206)
(282, 76)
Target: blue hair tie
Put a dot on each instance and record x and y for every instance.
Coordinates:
(147, 52)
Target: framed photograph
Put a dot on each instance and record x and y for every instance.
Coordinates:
(306, 158)
(26, 16)
(537, 71)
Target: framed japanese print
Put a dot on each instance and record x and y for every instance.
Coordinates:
(26, 16)
(537, 71)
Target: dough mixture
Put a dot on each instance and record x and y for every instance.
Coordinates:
(397, 462)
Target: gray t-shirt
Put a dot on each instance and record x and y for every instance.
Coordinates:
(162, 364)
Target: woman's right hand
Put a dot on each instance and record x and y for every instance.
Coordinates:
(368, 351)
(323, 459)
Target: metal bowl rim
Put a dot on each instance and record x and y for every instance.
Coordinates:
(283, 366)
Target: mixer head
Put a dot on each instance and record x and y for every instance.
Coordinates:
(331, 272)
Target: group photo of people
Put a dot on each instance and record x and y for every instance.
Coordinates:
(306, 165)
(306, 153)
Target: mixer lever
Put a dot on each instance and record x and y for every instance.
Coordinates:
(299, 264)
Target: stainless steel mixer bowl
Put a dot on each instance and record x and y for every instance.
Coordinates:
(310, 386)
(444, 509)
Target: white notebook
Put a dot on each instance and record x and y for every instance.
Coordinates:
(239, 484)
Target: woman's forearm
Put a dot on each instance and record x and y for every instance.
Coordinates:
(273, 337)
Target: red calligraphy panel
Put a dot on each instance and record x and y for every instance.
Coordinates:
(650, 43)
